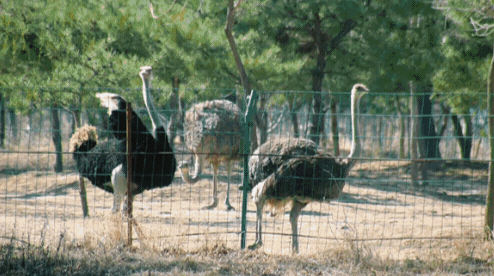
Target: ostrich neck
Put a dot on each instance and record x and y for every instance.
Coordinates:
(189, 179)
(355, 149)
(148, 100)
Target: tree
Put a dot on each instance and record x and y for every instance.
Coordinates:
(314, 31)
(480, 19)
(460, 77)
(408, 34)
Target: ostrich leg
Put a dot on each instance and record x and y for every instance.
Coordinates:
(119, 181)
(294, 213)
(258, 242)
(212, 205)
(197, 165)
(227, 199)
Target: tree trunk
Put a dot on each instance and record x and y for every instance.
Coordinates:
(262, 119)
(13, 124)
(414, 131)
(3, 127)
(446, 112)
(240, 66)
(401, 122)
(30, 118)
(464, 140)
(468, 136)
(489, 204)
(316, 124)
(57, 138)
(429, 142)
(379, 135)
(334, 127)
(294, 119)
(402, 137)
(94, 117)
(74, 123)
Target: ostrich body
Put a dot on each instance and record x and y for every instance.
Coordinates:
(213, 132)
(153, 161)
(311, 176)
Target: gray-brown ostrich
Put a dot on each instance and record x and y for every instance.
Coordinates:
(213, 132)
(295, 171)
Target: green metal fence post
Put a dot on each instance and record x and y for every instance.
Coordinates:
(251, 109)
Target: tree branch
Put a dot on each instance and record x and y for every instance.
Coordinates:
(482, 29)
(233, 46)
(348, 25)
(151, 9)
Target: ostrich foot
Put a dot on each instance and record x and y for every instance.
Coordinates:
(210, 206)
(229, 207)
(255, 246)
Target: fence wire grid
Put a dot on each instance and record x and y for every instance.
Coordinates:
(382, 206)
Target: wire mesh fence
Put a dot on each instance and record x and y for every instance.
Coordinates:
(380, 209)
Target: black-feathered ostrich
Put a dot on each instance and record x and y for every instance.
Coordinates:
(153, 160)
(213, 132)
(295, 171)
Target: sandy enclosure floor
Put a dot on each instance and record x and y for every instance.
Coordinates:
(379, 211)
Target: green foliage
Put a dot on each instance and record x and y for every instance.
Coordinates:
(405, 44)
(467, 57)
(93, 44)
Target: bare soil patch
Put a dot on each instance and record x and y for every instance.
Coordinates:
(379, 210)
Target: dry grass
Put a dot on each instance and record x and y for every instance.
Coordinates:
(87, 258)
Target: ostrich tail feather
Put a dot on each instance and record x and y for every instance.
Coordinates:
(82, 136)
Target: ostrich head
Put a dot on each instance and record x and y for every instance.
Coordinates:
(184, 168)
(146, 73)
(359, 90)
(112, 101)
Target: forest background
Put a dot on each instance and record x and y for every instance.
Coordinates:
(57, 54)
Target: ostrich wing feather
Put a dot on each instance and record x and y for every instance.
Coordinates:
(314, 178)
(269, 156)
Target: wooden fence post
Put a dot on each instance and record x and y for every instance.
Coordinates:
(413, 136)
(129, 173)
(489, 204)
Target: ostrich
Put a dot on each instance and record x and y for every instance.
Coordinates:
(213, 132)
(295, 171)
(270, 155)
(154, 164)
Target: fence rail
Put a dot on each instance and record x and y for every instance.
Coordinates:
(379, 206)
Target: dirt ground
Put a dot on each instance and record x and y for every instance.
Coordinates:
(379, 212)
